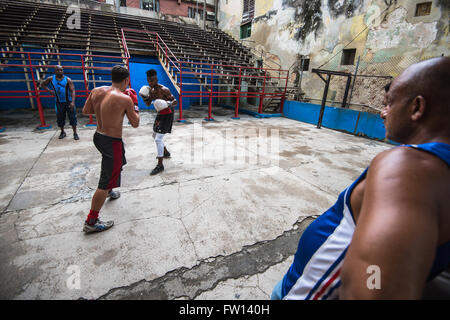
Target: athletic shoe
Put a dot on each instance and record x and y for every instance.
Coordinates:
(157, 170)
(62, 135)
(75, 136)
(114, 194)
(99, 226)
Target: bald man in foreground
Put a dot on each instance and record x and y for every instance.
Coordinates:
(389, 232)
(110, 105)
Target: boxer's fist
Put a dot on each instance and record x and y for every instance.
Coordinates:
(130, 92)
(160, 104)
(145, 93)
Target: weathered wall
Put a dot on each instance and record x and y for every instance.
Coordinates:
(385, 34)
(169, 9)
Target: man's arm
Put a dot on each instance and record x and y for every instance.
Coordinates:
(44, 85)
(131, 112)
(89, 105)
(397, 229)
(148, 101)
(72, 91)
(171, 101)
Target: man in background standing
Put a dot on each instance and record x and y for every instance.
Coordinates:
(62, 88)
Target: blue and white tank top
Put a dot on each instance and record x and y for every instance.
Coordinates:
(61, 89)
(315, 272)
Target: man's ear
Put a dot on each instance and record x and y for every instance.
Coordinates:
(418, 106)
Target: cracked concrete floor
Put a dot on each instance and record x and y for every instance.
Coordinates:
(221, 222)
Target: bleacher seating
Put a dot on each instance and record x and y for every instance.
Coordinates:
(30, 25)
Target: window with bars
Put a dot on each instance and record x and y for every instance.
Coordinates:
(150, 5)
(123, 3)
(192, 12)
(248, 11)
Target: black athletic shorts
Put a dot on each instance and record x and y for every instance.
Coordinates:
(163, 123)
(113, 159)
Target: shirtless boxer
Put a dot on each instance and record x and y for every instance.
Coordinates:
(110, 104)
(164, 118)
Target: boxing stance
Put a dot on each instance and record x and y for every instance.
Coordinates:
(164, 118)
(110, 104)
(63, 89)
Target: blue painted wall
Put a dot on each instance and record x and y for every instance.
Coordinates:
(138, 69)
(189, 78)
(368, 124)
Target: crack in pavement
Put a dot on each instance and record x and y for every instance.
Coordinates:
(207, 274)
(26, 175)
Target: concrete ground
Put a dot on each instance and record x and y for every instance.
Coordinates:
(221, 222)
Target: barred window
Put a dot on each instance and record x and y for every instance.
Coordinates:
(248, 11)
(150, 5)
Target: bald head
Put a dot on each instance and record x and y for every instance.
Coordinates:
(417, 104)
(431, 80)
(59, 71)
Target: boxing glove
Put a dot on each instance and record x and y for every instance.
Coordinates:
(160, 104)
(145, 93)
(130, 92)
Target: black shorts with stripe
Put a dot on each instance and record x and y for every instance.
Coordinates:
(113, 159)
(163, 123)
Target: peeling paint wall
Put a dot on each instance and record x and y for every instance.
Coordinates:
(386, 34)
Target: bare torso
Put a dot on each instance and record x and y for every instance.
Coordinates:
(161, 92)
(109, 105)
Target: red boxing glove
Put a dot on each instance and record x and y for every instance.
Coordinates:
(130, 92)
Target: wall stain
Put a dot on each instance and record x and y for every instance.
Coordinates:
(347, 7)
(265, 17)
(310, 13)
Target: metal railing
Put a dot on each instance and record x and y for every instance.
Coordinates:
(30, 68)
(210, 72)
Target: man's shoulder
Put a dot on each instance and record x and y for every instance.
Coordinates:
(100, 89)
(404, 161)
(120, 97)
(405, 154)
(163, 87)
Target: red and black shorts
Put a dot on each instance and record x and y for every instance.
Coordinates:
(113, 159)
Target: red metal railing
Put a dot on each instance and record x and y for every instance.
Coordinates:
(173, 64)
(32, 68)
